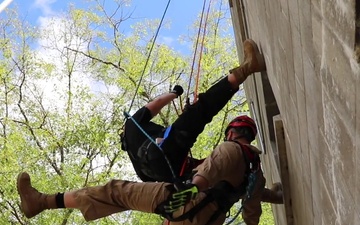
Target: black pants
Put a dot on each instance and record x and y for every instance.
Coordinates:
(185, 131)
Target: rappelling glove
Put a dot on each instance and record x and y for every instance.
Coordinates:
(178, 90)
(180, 198)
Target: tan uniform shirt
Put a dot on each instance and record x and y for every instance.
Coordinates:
(227, 163)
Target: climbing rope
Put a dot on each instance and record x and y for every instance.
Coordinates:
(201, 51)
(148, 57)
(195, 51)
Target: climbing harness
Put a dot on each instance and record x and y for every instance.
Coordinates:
(127, 116)
(223, 193)
(251, 179)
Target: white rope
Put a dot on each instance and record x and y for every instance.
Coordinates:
(4, 4)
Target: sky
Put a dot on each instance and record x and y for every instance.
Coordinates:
(181, 13)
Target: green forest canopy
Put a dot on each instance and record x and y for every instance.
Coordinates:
(65, 86)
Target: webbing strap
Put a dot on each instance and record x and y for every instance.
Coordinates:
(251, 177)
(184, 164)
(166, 134)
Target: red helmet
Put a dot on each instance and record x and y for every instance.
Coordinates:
(242, 121)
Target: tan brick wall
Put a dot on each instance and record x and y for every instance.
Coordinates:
(314, 74)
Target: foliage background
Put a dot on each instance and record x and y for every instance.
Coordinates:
(64, 88)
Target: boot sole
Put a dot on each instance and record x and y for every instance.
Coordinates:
(259, 57)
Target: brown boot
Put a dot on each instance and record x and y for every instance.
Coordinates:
(32, 201)
(253, 62)
(273, 195)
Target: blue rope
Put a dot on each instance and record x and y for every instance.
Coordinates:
(148, 57)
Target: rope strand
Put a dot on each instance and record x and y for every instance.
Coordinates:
(148, 58)
(201, 51)
(195, 51)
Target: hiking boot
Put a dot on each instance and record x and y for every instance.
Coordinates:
(253, 62)
(32, 201)
(273, 195)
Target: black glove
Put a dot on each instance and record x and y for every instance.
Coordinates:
(180, 198)
(178, 90)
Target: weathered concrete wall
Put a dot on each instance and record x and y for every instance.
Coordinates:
(309, 48)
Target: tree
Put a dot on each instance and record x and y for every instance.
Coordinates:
(65, 86)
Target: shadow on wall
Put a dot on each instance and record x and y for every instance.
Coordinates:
(357, 32)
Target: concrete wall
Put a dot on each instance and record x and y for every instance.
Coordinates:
(313, 83)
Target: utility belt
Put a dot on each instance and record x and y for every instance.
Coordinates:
(223, 193)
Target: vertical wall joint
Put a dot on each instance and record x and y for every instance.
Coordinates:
(357, 31)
